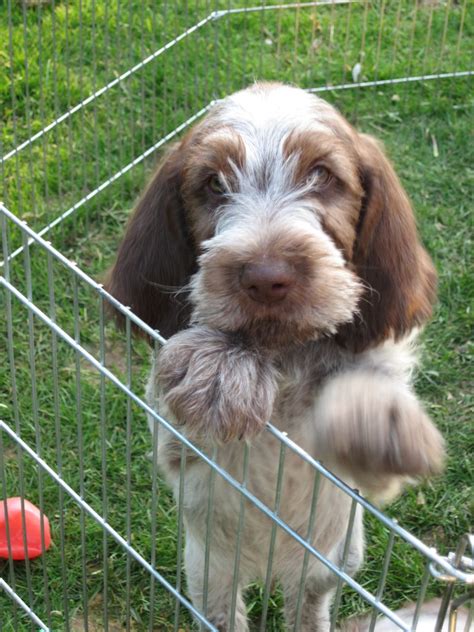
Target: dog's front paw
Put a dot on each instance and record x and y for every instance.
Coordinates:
(218, 388)
(374, 425)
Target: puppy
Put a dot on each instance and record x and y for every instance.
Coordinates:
(278, 249)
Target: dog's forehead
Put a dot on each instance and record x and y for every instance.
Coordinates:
(272, 111)
(264, 131)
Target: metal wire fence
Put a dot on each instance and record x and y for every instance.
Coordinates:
(92, 91)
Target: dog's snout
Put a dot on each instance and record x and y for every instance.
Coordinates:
(268, 281)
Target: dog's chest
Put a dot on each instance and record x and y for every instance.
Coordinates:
(303, 369)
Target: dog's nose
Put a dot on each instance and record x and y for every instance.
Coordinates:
(268, 281)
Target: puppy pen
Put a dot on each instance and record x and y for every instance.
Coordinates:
(91, 92)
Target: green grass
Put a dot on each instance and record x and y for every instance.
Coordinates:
(426, 129)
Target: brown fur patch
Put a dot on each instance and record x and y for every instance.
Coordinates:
(327, 149)
(157, 254)
(211, 154)
(398, 274)
(340, 200)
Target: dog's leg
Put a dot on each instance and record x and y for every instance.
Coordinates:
(320, 581)
(307, 608)
(314, 610)
(216, 605)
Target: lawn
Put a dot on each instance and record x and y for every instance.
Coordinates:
(52, 56)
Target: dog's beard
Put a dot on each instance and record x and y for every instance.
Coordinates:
(324, 295)
(278, 334)
(277, 326)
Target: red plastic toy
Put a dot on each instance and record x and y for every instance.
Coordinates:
(33, 519)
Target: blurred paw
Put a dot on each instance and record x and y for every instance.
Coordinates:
(372, 424)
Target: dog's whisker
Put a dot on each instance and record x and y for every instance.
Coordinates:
(171, 289)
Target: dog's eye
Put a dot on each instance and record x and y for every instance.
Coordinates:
(320, 177)
(215, 185)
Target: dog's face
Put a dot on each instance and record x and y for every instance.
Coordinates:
(272, 193)
(284, 222)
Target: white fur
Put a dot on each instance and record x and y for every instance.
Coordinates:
(270, 114)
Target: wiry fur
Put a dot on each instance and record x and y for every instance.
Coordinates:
(192, 373)
(330, 364)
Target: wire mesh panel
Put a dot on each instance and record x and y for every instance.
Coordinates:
(91, 91)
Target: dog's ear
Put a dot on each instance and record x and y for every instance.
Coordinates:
(156, 256)
(398, 274)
